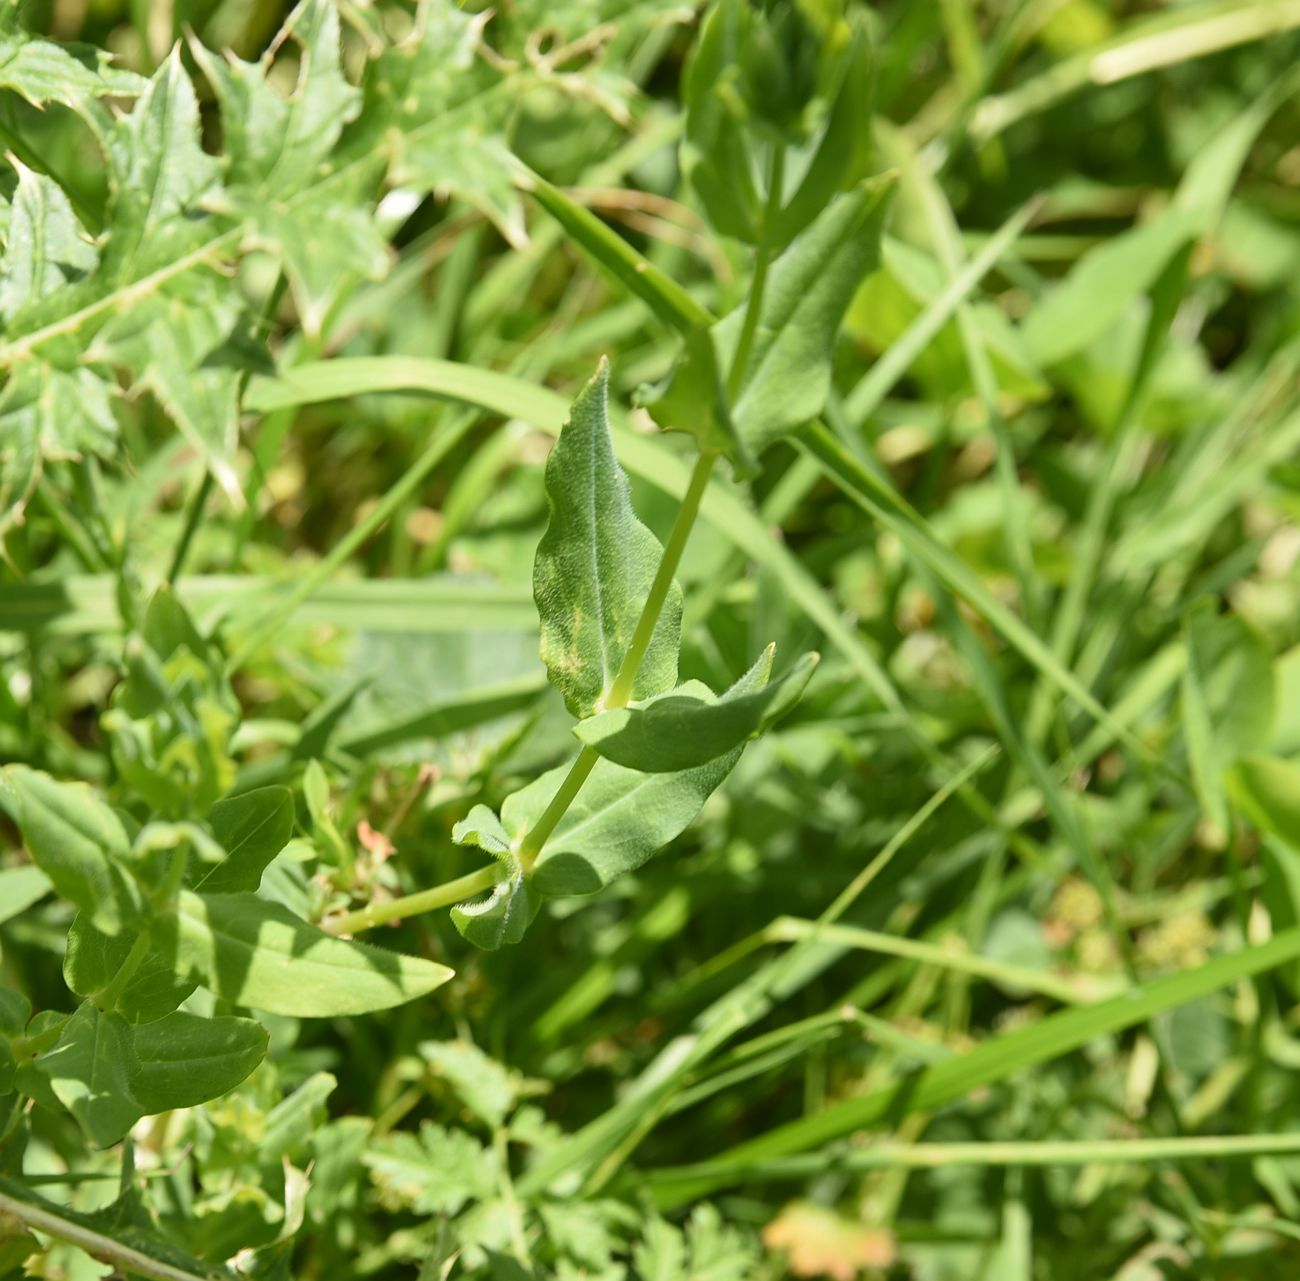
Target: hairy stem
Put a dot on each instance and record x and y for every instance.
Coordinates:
(398, 909)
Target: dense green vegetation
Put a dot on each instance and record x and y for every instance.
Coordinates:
(650, 643)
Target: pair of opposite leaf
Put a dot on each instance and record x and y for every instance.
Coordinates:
(661, 755)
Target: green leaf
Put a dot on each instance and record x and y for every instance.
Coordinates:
(291, 1123)
(160, 169)
(439, 1172)
(688, 726)
(15, 1010)
(183, 1060)
(20, 887)
(90, 1070)
(641, 278)
(279, 144)
(1103, 284)
(619, 820)
(1267, 790)
(595, 564)
(80, 844)
(715, 153)
(257, 953)
(73, 74)
(485, 1087)
(47, 413)
(252, 828)
(45, 245)
(788, 377)
(504, 915)
(843, 152)
(92, 962)
(172, 343)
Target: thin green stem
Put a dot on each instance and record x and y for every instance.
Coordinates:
(621, 691)
(125, 1258)
(193, 514)
(108, 997)
(398, 909)
(763, 259)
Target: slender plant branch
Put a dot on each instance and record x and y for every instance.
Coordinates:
(763, 259)
(96, 1244)
(621, 691)
(398, 909)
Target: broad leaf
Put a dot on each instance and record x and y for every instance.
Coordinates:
(92, 962)
(436, 1173)
(594, 566)
(80, 844)
(689, 726)
(90, 1070)
(788, 373)
(252, 828)
(257, 953)
(618, 821)
(20, 887)
(183, 1060)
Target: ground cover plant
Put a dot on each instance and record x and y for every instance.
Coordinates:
(647, 641)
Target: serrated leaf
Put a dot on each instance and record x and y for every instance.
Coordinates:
(73, 74)
(172, 342)
(258, 953)
(324, 248)
(80, 844)
(89, 1070)
(276, 144)
(483, 1085)
(160, 168)
(810, 286)
(689, 726)
(619, 820)
(92, 962)
(47, 413)
(479, 169)
(252, 828)
(45, 245)
(594, 567)
(183, 1060)
(437, 1173)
